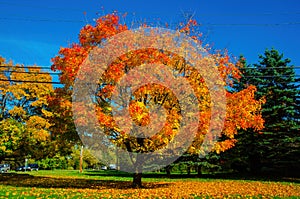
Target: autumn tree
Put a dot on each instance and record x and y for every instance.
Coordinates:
(245, 156)
(242, 110)
(63, 133)
(24, 111)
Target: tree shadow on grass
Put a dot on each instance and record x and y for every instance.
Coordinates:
(27, 180)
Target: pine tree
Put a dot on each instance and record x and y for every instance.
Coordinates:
(278, 84)
(278, 145)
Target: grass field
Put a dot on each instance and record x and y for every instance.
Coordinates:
(113, 184)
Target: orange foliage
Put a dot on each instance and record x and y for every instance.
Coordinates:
(243, 111)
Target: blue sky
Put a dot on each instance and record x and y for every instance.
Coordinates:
(33, 31)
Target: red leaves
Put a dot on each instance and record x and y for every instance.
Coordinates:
(188, 26)
(227, 68)
(106, 27)
(68, 61)
(85, 35)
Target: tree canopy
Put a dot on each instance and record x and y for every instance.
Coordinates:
(24, 113)
(242, 109)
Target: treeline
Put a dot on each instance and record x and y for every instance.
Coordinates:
(28, 123)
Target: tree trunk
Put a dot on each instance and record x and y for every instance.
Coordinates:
(254, 163)
(199, 170)
(81, 159)
(189, 170)
(168, 170)
(137, 176)
(137, 180)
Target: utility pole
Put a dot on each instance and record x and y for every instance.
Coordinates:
(81, 159)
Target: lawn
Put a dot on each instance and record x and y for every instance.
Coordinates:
(113, 184)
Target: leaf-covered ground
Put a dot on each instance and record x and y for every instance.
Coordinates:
(68, 185)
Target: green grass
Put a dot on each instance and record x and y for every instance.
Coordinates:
(156, 177)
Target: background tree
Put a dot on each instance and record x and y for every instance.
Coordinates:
(281, 135)
(89, 160)
(63, 133)
(278, 143)
(243, 111)
(24, 111)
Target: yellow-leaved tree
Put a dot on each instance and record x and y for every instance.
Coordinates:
(24, 112)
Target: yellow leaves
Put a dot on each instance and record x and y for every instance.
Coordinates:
(25, 103)
(18, 92)
(25, 100)
(11, 133)
(38, 122)
(17, 111)
(38, 103)
(22, 86)
(38, 127)
(2, 148)
(139, 113)
(47, 113)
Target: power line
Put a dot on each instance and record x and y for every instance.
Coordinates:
(29, 81)
(253, 24)
(44, 82)
(43, 20)
(51, 73)
(242, 76)
(49, 67)
(59, 83)
(29, 67)
(46, 73)
(36, 6)
(150, 12)
(249, 14)
(34, 73)
(270, 67)
(201, 24)
(26, 67)
(275, 76)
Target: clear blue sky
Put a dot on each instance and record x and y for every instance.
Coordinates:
(32, 31)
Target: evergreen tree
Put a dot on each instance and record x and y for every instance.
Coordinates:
(278, 145)
(278, 84)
